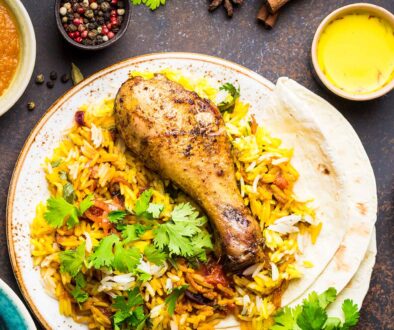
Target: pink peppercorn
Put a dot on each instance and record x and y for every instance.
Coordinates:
(84, 34)
(76, 21)
(111, 35)
(79, 40)
(104, 30)
(80, 10)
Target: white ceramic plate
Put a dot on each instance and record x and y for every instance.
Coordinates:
(28, 185)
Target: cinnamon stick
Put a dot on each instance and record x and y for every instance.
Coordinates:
(263, 13)
(268, 19)
(275, 5)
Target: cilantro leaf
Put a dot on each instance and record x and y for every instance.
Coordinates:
(311, 314)
(228, 105)
(80, 280)
(116, 216)
(312, 317)
(170, 235)
(131, 233)
(332, 323)
(142, 203)
(351, 313)
(58, 209)
(71, 261)
(286, 318)
(79, 295)
(151, 4)
(126, 259)
(155, 210)
(230, 88)
(327, 297)
(69, 192)
(173, 297)
(183, 235)
(130, 311)
(86, 203)
(103, 255)
(155, 256)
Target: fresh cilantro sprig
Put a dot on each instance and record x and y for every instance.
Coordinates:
(234, 94)
(116, 216)
(103, 255)
(78, 294)
(131, 233)
(154, 255)
(184, 234)
(173, 297)
(130, 311)
(59, 211)
(312, 315)
(71, 261)
(151, 4)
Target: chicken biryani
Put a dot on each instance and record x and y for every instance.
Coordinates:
(122, 247)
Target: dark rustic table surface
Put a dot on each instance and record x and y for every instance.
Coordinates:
(185, 25)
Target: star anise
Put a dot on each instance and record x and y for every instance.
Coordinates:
(227, 4)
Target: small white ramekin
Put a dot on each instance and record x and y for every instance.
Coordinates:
(373, 9)
(27, 56)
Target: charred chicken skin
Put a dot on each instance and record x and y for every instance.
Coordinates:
(182, 137)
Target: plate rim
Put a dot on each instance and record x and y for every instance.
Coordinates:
(55, 106)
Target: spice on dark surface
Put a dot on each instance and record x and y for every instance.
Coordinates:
(76, 74)
(53, 75)
(40, 79)
(31, 106)
(50, 84)
(92, 22)
(65, 78)
(227, 4)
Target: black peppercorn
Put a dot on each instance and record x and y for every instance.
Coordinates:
(50, 84)
(65, 78)
(53, 75)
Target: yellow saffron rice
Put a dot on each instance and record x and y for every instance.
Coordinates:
(91, 160)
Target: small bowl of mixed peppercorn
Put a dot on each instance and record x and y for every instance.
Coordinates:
(92, 24)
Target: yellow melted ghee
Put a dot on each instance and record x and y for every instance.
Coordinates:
(356, 53)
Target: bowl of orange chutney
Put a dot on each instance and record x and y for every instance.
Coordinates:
(18, 52)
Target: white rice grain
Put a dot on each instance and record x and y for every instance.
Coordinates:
(88, 242)
(274, 271)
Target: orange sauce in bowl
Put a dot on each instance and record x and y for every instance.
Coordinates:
(9, 47)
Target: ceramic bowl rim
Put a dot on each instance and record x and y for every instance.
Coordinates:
(27, 61)
(384, 13)
(11, 295)
(119, 35)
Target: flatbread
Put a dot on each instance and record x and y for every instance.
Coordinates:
(360, 185)
(357, 288)
(322, 178)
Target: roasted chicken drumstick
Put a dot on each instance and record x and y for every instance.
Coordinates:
(183, 138)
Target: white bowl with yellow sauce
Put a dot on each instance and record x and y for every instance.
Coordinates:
(353, 52)
(17, 52)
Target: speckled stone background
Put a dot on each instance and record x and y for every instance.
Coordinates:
(185, 25)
